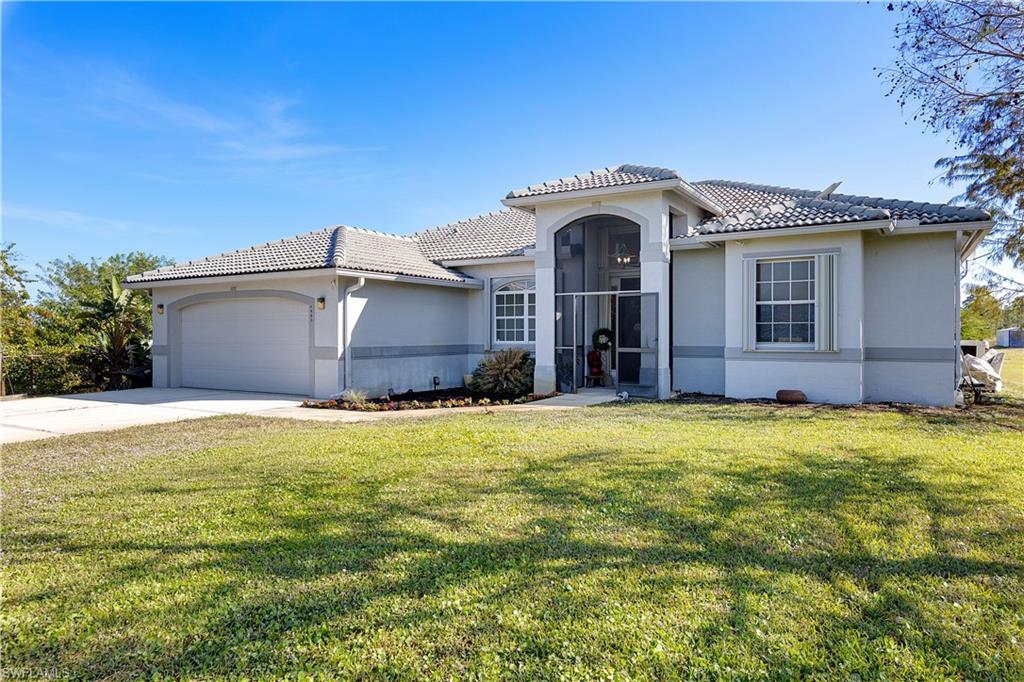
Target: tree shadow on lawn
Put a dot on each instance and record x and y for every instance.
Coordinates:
(637, 529)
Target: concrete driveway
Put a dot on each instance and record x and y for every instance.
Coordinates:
(34, 418)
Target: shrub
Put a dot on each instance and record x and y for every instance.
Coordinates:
(505, 374)
(47, 372)
(353, 396)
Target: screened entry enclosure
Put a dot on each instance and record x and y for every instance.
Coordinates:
(597, 289)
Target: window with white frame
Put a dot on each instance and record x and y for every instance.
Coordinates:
(785, 302)
(515, 310)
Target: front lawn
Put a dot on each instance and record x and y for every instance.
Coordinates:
(700, 540)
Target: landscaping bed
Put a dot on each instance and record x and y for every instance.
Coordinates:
(422, 400)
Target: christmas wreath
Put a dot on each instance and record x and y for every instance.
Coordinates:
(603, 338)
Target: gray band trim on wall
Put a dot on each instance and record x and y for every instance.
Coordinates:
(843, 355)
(910, 354)
(325, 352)
(378, 352)
(698, 351)
(160, 349)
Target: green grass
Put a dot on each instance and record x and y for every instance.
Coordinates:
(701, 540)
(1013, 372)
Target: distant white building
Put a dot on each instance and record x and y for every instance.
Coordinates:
(717, 287)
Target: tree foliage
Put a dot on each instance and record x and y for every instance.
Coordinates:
(981, 314)
(82, 330)
(15, 311)
(74, 287)
(960, 66)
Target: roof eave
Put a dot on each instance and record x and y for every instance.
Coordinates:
(529, 202)
(743, 235)
(486, 260)
(467, 283)
(239, 277)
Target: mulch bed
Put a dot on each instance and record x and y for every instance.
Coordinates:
(422, 400)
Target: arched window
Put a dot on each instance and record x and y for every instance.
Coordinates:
(515, 309)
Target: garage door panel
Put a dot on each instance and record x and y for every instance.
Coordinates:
(253, 356)
(246, 344)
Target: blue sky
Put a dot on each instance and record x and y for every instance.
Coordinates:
(189, 129)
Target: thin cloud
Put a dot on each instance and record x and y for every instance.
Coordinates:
(122, 96)
(240, 136)
(73, 221)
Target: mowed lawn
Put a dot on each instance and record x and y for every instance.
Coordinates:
(659, 541)
(1013, 372)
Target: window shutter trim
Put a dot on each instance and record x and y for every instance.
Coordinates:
(749, 314)
(826, 311)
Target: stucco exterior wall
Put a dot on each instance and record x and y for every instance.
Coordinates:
(480, 309)
(698, 321)
(403, 335)
(834, 377)
(910, 322)
(325, 352)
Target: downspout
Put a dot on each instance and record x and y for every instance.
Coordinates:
(958, 369)
(346, 339)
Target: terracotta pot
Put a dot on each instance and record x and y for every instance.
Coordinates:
(790, 395)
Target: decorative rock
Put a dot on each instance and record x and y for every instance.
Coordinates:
(789, 395)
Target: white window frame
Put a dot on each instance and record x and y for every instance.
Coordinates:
(812, 300)
(527, 288)
(824, 302)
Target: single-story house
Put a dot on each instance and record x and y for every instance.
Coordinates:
(717, 287)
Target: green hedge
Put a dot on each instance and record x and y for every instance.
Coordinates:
(44, 373)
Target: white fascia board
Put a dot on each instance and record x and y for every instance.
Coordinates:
(293, 274)
(915, 227)
(228, 279)
(407, 279)
(682, 187)
(745, 235)
(530, 201)
(688, 244)
(488, 261)
(972, 243)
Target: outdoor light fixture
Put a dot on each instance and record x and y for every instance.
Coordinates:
(321, 303)
(159, 308)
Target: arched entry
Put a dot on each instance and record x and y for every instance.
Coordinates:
(598, 289)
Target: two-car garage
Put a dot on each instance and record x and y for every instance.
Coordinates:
(246, 344)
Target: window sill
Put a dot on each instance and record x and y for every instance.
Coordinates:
(786, 348)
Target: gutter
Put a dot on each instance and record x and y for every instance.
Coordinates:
(291, 274)
(972, 242)
(884, 227)
(469, 283)
(346, 339)
(495, 260)
(222, 279)
(715, 239)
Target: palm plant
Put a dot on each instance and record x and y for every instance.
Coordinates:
(118, 321)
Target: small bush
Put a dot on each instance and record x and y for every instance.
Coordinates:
(353, 396)
(505, 374)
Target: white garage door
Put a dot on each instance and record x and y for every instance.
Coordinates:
(258, 344)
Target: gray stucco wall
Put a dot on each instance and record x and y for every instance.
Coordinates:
(910, 318)
(698, 321)
(403, 335)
